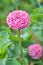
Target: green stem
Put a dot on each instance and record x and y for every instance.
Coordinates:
(16, 5)
(19, 40)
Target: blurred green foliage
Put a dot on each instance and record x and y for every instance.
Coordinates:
(9, 46)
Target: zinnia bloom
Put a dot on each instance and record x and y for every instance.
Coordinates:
(18, 19)
(35, 51)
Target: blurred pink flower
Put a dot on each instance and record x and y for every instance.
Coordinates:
(18, 19)
(35, 51)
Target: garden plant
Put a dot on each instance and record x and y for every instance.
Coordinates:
(21, 32)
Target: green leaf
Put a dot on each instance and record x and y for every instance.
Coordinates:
(4, 38)
(4, 48)
(4, 43)
(39, 63)
(13, 62)
(3, 61)
(14, 51)
(24, 61)
(17, 50)
(13, 37)
(39, 35)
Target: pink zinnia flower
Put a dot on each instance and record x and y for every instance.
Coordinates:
(18, 19)
(35, 51)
